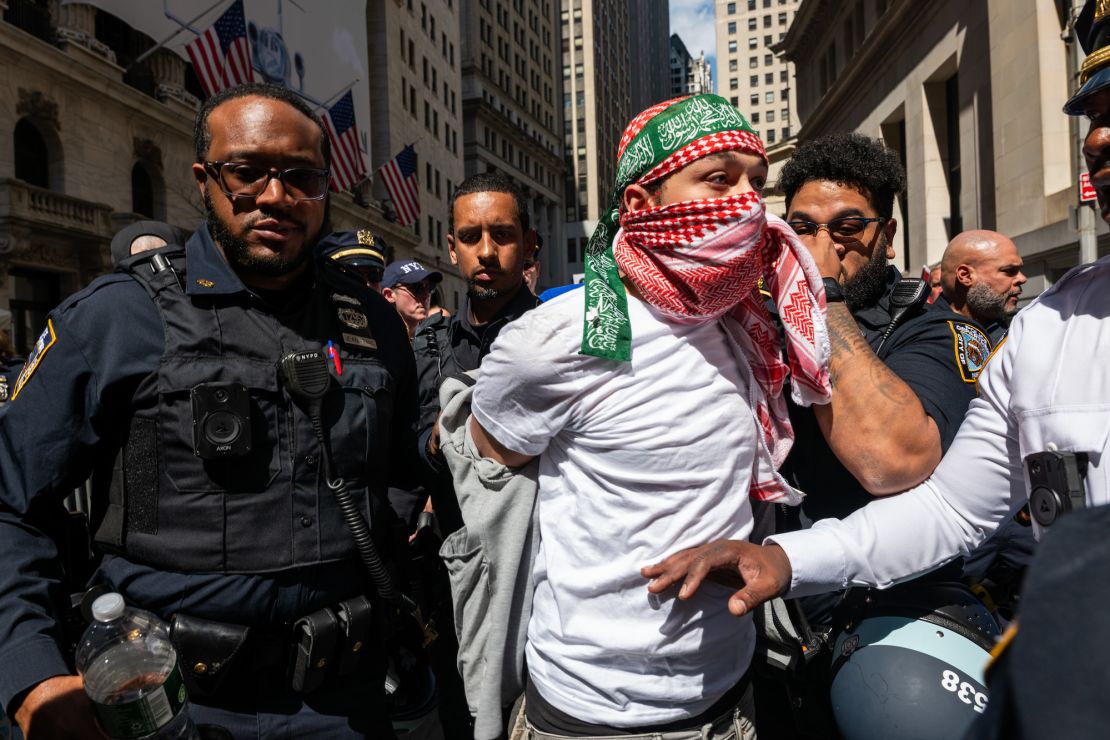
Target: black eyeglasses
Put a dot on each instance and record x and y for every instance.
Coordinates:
(419, 291)
(838, 228)
(242, 180)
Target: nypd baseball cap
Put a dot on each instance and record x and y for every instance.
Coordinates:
(408, 272)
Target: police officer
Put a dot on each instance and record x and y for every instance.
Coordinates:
(904, 371)
(182, 383)
(362, 251)
(1038, 426)
(490, 240)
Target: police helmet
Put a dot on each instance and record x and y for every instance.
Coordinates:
(908, 662)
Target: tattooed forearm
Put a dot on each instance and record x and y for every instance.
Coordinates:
(844, 334)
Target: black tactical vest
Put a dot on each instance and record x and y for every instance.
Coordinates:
(270, 509)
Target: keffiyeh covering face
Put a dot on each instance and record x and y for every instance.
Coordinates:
(701, 260)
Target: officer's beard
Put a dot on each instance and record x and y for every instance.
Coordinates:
(986, 305)
(238, 254)
(867, 286)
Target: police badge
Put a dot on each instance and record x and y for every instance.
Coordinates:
(972, 349)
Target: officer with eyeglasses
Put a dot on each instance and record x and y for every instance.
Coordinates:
(241, 402)
(903, 371)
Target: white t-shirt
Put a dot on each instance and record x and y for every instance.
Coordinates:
(638, 460)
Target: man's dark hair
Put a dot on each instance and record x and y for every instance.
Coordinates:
(202, 135)
(493, 181)
(849, 159)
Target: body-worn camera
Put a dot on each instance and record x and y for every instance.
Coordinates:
(221, 420)
(1055, 484)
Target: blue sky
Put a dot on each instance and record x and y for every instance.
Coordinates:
(693, 21)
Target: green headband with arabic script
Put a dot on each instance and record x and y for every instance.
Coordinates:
(662, 139)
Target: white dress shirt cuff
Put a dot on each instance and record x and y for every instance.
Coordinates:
(817, 560)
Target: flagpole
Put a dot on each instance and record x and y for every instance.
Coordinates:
(342, 91)
(185, 26)
(413, 145)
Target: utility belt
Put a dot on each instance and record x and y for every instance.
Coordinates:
(231, 662)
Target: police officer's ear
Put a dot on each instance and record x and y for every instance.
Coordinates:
(890, 228)
(965, 275)
(529, 245)
(451, 248)
(201, 176)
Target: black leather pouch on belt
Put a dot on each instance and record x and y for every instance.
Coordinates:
(314, 642)
(354, 630)
(207, 652)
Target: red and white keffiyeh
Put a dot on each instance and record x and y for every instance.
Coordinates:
(701, 260)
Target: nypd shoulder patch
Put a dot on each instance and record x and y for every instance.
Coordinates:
(971, 347)
(42, 346)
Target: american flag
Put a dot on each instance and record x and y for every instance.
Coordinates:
(221, 55)
(347, 165)
(399, 174)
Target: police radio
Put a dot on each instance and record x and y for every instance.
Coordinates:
(1055, 484)
(221, 420)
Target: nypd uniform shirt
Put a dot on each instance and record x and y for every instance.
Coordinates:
(68, 416)
(937, 353)
(1046, 387)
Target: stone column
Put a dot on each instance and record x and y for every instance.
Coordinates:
(76, 33)
(168, 71)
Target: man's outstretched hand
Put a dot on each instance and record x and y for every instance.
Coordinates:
(763, 572)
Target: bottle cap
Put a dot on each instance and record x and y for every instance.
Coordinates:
(108, 607)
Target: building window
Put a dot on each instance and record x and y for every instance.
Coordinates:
(751, 4)
(731, 8)
(753, 43)
(786, 133)
(753, 81)
(32, 158)
(785, 113)
(770, 136)
(782, 19)
(766, 21)
(753, 23)
(754, 99)
(784, 94)
(783, 77)
(768, 78)
(755, 117)
(735, 101)
(768, 59)
(732, 46)
(770, 116)
(753, 62)
(142, 191)
(734, 84)
(733, 65)
(732, 26)
(769, 96)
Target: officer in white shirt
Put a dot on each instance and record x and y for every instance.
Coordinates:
(1046, 389)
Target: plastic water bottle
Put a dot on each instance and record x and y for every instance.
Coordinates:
(131, 675)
